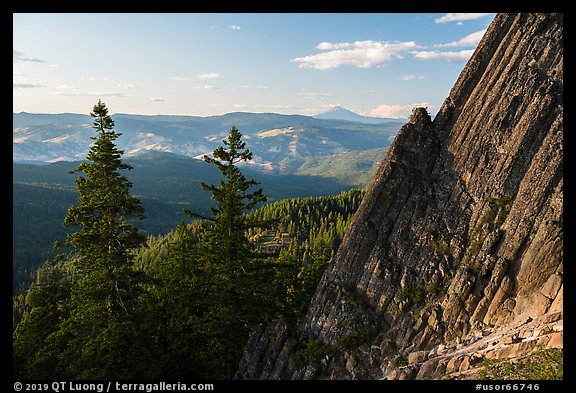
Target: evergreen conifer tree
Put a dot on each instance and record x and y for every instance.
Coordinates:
(102, 246)
(238, 294)
(85, 320)
(227, 234)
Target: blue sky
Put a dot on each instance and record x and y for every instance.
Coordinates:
(378, 64)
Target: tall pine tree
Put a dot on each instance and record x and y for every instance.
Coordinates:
(93, 294)
(103, 244)
(227, 234)
(236, 285)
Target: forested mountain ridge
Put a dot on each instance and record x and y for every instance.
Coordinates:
(314, 226)
(42, 193)
(115, 305)
(280, 143)
(294, 156)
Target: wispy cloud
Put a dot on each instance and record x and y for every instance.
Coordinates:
(275, 106)
(458, 17)
(252, 107)
(257, 87)
(93, 78)
(234, 27)
(25, 85)
(447, 57)
(182, 78)
(18, 56)
(361, 54)
(126, 85)
(395, 110)
(157, 99)
(206, 87)
(201, 77)
(410, 77)
(331, 106)
(210, 75)
(470, 40)
(312, 95)
(67, 87)
(93, 94)
(334, 46)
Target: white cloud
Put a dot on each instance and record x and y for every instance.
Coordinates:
(126, 85)
(410, 77)
(312, 95)
(361, 54)
(234, 27)
(93, 94)
(252, 107)
(206, 87)
(331, 106)
(275, 106)
(210, 75)
(470, 40)
(259, 87)
(67, 87)
(25, 85)
(458, 17)
(331, 46)
(447, 57)
(182, 78)
(157, 99)
(394, 110)
(18, 56)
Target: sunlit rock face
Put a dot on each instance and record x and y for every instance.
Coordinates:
(456, 253)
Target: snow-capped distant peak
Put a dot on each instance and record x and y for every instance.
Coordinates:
(341, 113)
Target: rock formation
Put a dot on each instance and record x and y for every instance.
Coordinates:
(456, 253)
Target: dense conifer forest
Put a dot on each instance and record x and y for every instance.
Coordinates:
(116, 304)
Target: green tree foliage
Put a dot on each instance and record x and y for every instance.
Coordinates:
(104, 242)
(226, 236)
(317, 226)
(47, 301)
(214, 289)
(543, 364)
(85, 317)
(119, 306)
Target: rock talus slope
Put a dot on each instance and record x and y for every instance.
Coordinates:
(456, 253)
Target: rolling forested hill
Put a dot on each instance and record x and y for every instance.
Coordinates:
(166, 184)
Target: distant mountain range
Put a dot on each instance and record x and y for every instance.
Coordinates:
(280, 143)
(339, 113)
(294, 156)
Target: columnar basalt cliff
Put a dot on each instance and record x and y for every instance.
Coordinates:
(456, 251)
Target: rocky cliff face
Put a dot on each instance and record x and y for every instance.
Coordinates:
(456, 251)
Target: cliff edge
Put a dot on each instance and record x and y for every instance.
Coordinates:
(456, 252)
